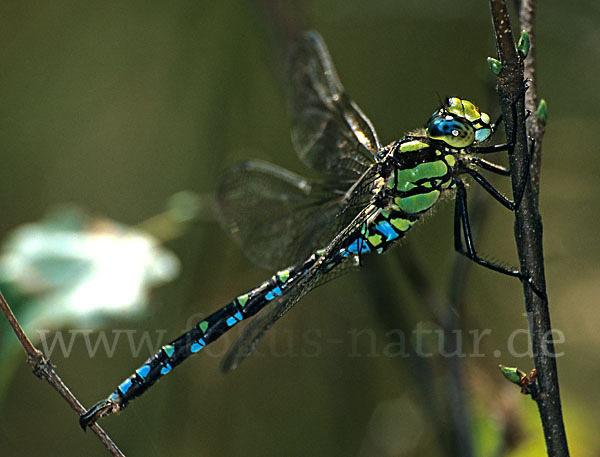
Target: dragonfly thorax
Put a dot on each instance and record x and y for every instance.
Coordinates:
(416, 172)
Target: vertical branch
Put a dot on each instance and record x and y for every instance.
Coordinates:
(43, 369)
(535, 124)
(528, 224)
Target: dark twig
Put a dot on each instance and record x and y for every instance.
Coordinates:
(535, 125)
(43, 369)
(528, 224)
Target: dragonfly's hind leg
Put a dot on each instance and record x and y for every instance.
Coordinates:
(462, 226)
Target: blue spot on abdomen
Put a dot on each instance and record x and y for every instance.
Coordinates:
(275, 292)
(143, 371)
(358, 246)
(195, 347)
(386, 229)
(125, 386)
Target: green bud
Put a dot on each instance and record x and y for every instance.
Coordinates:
(495, 65)
(513, 374)
(542, 111)
(524, 43)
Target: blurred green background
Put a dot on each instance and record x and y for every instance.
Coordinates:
(115, 106)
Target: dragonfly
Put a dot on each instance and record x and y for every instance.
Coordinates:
(369, 198)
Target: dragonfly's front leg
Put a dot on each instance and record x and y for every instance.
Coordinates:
(489, 166)
(500, 170)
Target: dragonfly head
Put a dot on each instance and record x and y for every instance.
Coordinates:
(459, 124)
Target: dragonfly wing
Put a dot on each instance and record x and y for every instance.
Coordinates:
(278, 217)
(319, 273)
(329, 131)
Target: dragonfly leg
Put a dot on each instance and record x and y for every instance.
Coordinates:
(509, 204)
(490, 166)
(494, 168)
(491, 149)
(463, 226)
(495, 125)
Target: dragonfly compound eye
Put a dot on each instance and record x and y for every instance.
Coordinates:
(456, 132)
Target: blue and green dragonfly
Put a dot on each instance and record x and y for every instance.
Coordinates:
(371, 196)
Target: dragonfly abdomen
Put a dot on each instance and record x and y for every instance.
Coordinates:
(202, 334)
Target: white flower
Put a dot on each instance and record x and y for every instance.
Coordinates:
(73, 268)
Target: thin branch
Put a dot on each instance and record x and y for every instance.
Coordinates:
(43, 369)
(535, 125)
(528, 225)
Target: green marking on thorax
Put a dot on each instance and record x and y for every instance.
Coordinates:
(450, 160)
(203, 326)
(375, 239)
(242, 299)
(427, 170)
(169, 349)
(417, 203)
(401, 224)
(414, 145)
(403, 185)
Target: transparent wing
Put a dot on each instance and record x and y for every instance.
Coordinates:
(319, 273)
(280, 218)
(329, 131)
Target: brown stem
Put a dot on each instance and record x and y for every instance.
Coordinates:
(43, 369)
(535, 126)
(528, 224)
